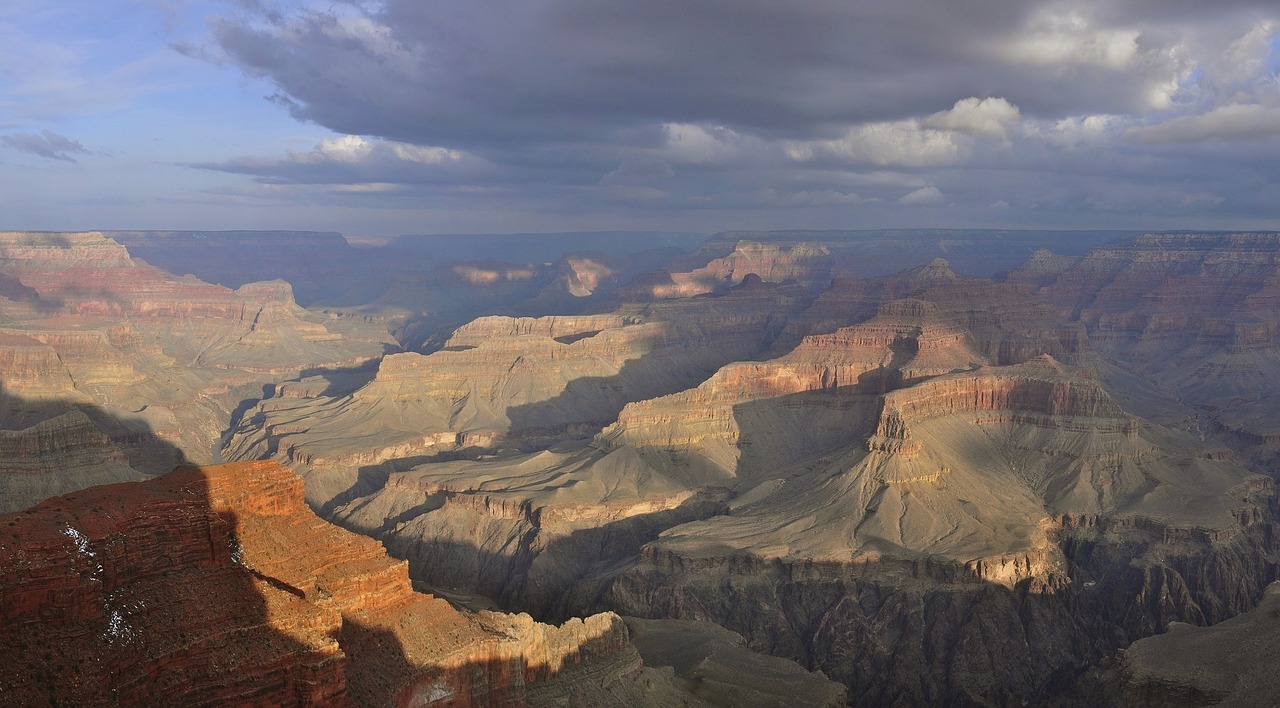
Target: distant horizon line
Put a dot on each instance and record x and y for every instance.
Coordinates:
(624, 232)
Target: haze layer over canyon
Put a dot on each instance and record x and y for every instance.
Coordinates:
(892, 467)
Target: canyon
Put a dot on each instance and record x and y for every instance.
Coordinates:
(934, 467)
(217, 585)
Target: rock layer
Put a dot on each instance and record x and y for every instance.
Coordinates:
(511, 382)
(1228, 664)
(1195, 312)
(217, 585)
(160, 364)
(56, 456)
(1005, 492)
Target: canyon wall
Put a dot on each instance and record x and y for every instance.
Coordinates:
(217, 585)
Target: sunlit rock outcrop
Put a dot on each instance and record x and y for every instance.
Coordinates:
(218, 585)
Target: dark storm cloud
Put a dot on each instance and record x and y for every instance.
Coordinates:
(47, 144)
(481, 75)
(1005, 108)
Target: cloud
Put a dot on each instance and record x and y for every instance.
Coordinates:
(1243, 61)
(1076, 131)
(900, 143)
(986, 116)
(355, 160)
(1030, 110)
(1070, 39)
(520, 73)
(809, 198)
(47, 144)
(923, 196)
(1233, 122)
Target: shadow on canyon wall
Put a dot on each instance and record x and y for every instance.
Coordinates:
(134, 593)
(146, 592)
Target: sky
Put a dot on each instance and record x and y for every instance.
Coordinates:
(381, 117)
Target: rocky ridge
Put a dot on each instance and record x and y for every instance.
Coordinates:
(1228, 664)
(215, 585)
(907, 495)
(1007, 492)
(509, 382)
(56, 456)
(826, 502)
(1195, 312)
(158, 364)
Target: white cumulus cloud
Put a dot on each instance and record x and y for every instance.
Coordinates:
(977, 116)
(923, 196)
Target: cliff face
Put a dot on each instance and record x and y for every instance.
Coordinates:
(1195, 312)
(217, 585)
(320, 266)
(1231, 663)
(33, 368)
(88, 279)
(896, 564)
(1041, 392)
(929, 633)
(156, 361)
(880, 503)
(910, 496)
(1000, 531)
(754, 416)
(504, 381)
(88, 274)
(881, 252)
(1002, 321)
(56, 456)
(137, 593)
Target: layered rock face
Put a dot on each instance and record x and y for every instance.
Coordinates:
(326, 269)
(321, 266)
(909, 495)
(423, 307)
(717, 663)
(502, 381)
(32, 368)
(217, 585)
(158, 363)
(56, 456)
(880, 252)
(1232, 663)
(980, 496)
(77, 358)
(587, 280)
(1195, 312)
(764, 415)
(89, 279)
(1003, 321)
(876, 503)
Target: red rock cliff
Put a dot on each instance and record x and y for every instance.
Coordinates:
(217, 585)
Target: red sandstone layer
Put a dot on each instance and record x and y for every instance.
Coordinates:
(217, 585)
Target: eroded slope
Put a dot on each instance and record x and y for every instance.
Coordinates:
(217, 585)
